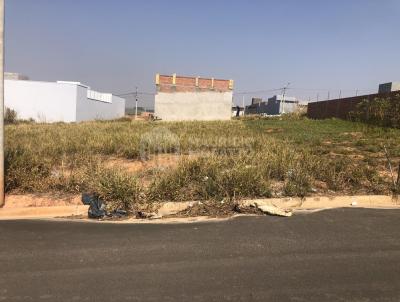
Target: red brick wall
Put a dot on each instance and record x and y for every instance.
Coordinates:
(340, 108)
(188, 84)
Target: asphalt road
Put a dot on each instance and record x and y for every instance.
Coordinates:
(337, 255)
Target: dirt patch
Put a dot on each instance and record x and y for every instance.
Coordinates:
(160, 161)
(216, 209)
(346, 149)
(136, 166)
(211, 209)
(273, 130)
(356, 156)
(321, 186)
(353, 134)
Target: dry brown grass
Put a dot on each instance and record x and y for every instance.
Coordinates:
(128, 162)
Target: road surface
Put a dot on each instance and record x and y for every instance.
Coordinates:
(336, 255)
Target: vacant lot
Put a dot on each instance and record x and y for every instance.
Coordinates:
(128, 162)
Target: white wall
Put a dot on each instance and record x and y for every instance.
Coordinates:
(59, 102)
(41, 101)
(201, 106)
(90, 109)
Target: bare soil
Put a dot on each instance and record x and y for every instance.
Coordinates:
(159, 161)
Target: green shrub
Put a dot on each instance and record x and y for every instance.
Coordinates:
(213, 177)
(10, 116)
(25, 171)
(120, 190)
(380, 111)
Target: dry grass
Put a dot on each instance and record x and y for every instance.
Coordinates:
(127, 162)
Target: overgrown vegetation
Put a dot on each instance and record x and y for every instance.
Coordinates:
(250, 158)
(381, 111)
(10, 116)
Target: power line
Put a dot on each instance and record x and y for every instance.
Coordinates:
(253, 91)
(134, 93)
(257, 91)
(328, 89)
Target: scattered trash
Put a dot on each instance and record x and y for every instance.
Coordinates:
(191, 204)
(275, 211)
(97, 208)
(144, 215)
(96, 205)
(354, 203)
(119, 213)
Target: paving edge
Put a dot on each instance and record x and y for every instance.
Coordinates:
(297, 205)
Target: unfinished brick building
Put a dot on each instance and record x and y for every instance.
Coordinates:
(181, 98)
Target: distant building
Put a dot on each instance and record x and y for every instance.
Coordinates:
(274, 106)
(60, 101)
(256, 101)
(15, 76)
(389, 87)
(258, 106)
(181, 98)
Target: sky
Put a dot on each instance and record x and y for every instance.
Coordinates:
(116, 45)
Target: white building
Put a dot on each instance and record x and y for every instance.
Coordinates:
(60, 101)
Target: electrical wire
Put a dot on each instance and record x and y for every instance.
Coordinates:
(134, 93)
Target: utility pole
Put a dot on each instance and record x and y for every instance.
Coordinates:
(2, 197)
(317, 97)
(283, 97)
(356, 92)
(136, 100)
(244, 108)
(340, 94)
(329, 95)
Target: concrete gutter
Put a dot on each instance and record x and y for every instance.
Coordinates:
(295, 205)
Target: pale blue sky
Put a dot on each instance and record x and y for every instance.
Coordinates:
(117, 45)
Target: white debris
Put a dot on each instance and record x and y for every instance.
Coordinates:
(272, 210)
(354, 203)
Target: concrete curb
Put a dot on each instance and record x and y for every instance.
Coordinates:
(43, 212)
(328, 202)
(296, 205)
